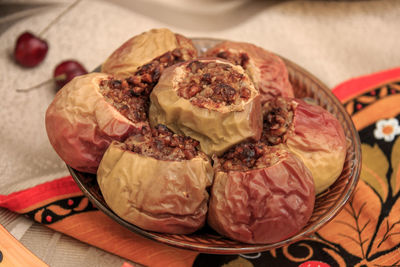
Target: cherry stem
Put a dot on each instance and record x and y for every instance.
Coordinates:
(57, 78)
(57, 18)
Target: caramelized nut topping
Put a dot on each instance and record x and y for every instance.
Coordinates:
(162, 144)
(241, 59)
(147, 76)
(121, 95)
(130, 96)
(249, 156)
(278, 121)
(213, 82)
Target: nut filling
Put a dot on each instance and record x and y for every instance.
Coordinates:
(249, 156)
(162, 144)
(277, 121)
(213, 84)
(130, 96)
(147, 76)
(241, 59)
(119, 93)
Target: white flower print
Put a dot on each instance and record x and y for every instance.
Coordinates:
(387, 129)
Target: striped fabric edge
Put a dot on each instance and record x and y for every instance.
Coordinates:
(26, 199)
(358, 85)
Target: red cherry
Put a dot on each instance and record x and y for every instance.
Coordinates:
(30, 50)
(67, 70)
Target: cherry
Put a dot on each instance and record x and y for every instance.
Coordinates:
(30, 50)
(63, 73)
(66, 71)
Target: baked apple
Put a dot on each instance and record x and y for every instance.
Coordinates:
(266, 69)
(210, 100)
(142, 49)
(88, 113)
(157, 181)
(310, 132)
(261, 194)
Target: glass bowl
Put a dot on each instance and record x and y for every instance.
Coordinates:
(327, 204)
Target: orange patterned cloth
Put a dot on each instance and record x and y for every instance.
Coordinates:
(367, 230)
(61, 205)
(365, 233)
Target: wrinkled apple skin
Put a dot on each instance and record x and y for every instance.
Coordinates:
(156, 195)
(319, 140)
(143, 48)
(216, 130)
(80, 123)
(266, 69)
(263, 205)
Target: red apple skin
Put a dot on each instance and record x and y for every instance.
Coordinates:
(319, 140)
(81, 124)
(264, 205)
(30, 50)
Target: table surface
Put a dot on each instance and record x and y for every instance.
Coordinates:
(334, 40)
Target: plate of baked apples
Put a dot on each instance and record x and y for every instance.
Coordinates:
(211, 145)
